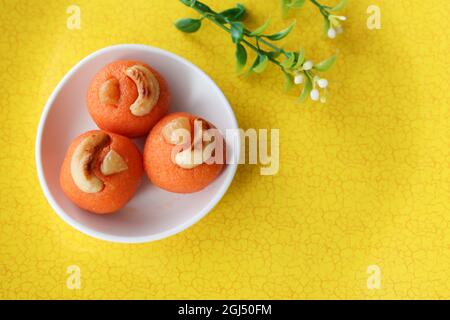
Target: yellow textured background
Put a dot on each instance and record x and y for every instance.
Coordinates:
(364, 179)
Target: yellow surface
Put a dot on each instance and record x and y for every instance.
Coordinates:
(364, 180)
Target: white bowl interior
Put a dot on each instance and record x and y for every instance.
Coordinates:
(153, 213)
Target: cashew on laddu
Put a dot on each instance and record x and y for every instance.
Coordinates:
(148, 89)
(170, 133)
(83, 158)
(112, 163)
(109, 91)
(189, 158)
(175, 133)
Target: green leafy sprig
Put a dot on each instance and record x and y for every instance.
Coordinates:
(294, 65)
(332, 22)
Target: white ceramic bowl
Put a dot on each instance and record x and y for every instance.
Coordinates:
(153, 213)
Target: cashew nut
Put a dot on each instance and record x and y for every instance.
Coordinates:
(188, 158)
(82, 159)
(193, 156)
(147, 87)
(108, 92)
(170, 133)
(113, 163)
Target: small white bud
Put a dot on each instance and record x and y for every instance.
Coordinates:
(299, 79)
(342, 18)
(323, 83)
(331, 33)
(315, 95)
(308, 65)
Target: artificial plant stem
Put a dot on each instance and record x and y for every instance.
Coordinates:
(320, 7)
(269, 44)
(210, 16)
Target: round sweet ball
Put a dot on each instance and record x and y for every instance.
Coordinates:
(101, 171)
(128, 98)
(180, 157)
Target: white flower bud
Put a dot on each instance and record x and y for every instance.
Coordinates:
(342, 18)
(323, 83)
(315, 95)
(331, 33)
(299, 79)
(308, 65)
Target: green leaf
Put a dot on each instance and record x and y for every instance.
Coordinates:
(339, 6)
(241, 57)
(296, 4)
(188, 2)
(306, 89)
(288, 81)
(260, 63)
(326, 26)
(237, 31)
(326, 64)
(283, 33)
(284, 7)
(241, 15)
(300, 58)
(201, 6)
(289, 61)
(260, 29)
(188, 25)
(290, 4)
(233, 14)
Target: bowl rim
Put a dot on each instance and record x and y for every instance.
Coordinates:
(130, 239)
